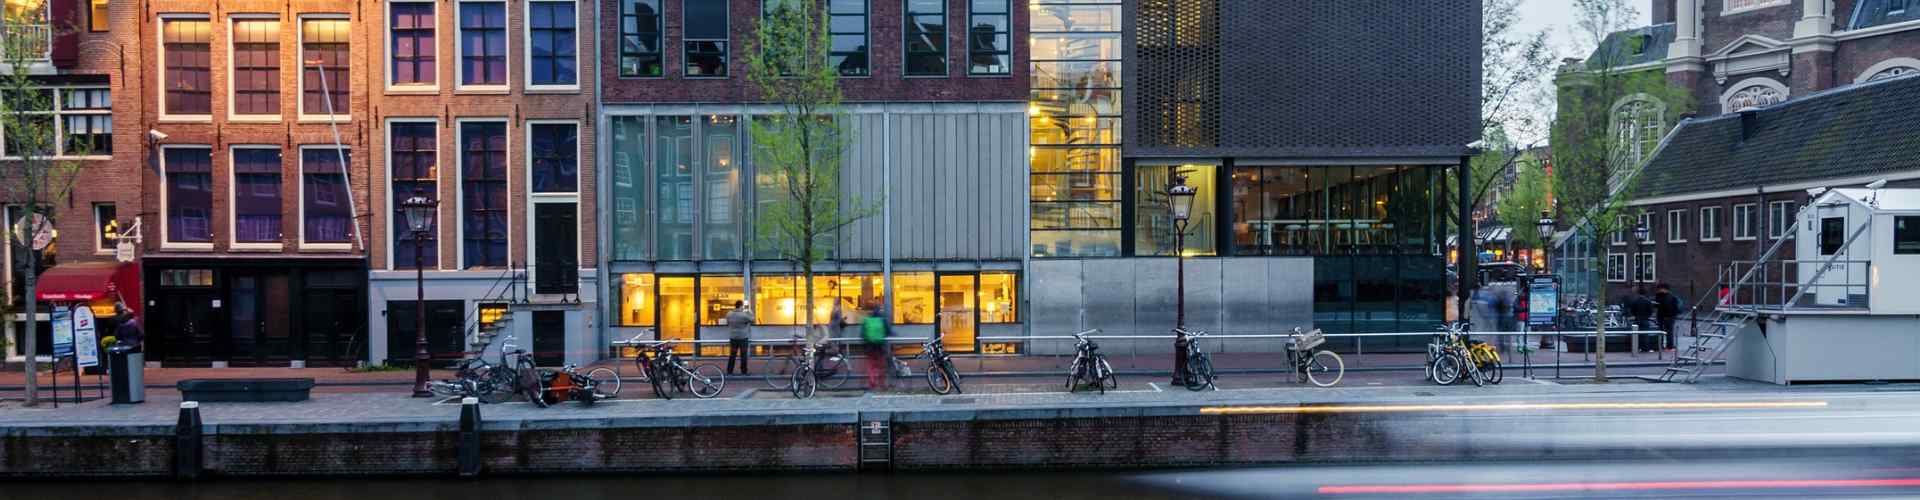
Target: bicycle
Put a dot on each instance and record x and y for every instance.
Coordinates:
(831, 371)
(1461, 357)
(803, 382)
(569, 384)
(1442, 367)
(669, 373)
(475, 377)
(1199, 374)
(1314, 366)
(941, 377)
(1090, 366)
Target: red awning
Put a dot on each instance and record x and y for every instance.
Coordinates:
(78, 282)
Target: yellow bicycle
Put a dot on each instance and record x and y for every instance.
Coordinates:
(1455, 357)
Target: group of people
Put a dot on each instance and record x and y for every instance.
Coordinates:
(868, 316)
(1662, 310)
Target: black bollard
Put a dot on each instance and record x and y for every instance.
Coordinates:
(188, 445)
(469, 455)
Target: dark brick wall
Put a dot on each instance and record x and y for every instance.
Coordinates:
(886, 83)
(1855, 56)
(79, 453)
(693, 448)
(330, 453)
(1720, 30)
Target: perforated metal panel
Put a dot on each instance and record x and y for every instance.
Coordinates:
(1177, 44)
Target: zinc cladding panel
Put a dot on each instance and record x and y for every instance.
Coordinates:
(1332, 75)
(957, 188)
(861, 176)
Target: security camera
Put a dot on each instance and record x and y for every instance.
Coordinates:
(156, 135)
(1877, 184)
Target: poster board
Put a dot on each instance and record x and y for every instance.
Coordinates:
(86, 341)
(62, 332)
(1543, 300)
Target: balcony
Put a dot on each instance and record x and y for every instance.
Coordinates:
(31, 42)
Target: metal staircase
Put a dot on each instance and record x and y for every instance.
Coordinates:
(510, 289)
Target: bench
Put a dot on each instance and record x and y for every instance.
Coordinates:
(245, 390)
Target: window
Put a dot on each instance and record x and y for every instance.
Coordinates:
(989, 45)
(1153, 225)
(721, 200)
(413, 149)
(1646, 221)
(847, 25)
(256, 66)
(86, 122)
(1676, 226)
(324, 63)
(188, 199)
(673, 171)
(97, 15)
(1292, 210)
(717, 295)
(629, 190)
(1709, 223)
(913, 298)
(256, 195)
(1833, 235)
(551, 44)
(106, 226)
(926, 32)
(640, 38)
(1643, 268)
(1076, 183)
(1620, 235)
(1753, 96)
(637, 299)
(959, 311)
(411, 27)
(483, 193)
(1744, 225)
(1638, 123)
(325, 217)
(1617, 267)
(999, 297)
(706, 38)
(1906, 235)
(186, 55)
(1780, 217)
(1734, 6)
(556, 157)
(779, 299)
(483, 43)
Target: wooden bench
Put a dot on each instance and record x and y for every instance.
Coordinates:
(245, 390)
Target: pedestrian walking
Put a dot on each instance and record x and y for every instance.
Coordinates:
(874, 331)
(1667, 309)
(739, 330)
(127, 335)
(1640, 309)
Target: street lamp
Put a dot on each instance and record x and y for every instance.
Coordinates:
(1180, 202)
(419, 210)
(1544, 228)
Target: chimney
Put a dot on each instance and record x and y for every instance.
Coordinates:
(1749, 123)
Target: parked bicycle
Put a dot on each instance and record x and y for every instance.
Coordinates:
(1089, 366)
(1460, 357)
(568, 384)
(477, 378)
(830, 367)
(1323, 368)
(526, 377)
(1199, 374)
(668, 373)
(941, 376)
(803, 381)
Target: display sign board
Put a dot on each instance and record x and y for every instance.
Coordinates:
(1543, 300)
(86, 342)
(62, 332)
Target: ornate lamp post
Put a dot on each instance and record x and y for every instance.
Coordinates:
(1180, 202)
(420, 210)
(1544, 228)
(1640, 234)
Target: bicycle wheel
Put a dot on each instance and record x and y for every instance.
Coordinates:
(1473, 373)
(833, 372)
(640, 366)
(499, 386)
(1325, 369)
(1446, 369)
(939, 380)
(445, 389)
(803, 383)
(529, 382)
(1493, 371)
(708, 382)
(606, 382)
(1108, 379)
(1076, 373)
(780, 371)
(1199, 372)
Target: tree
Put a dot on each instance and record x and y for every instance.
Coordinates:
(1608, 123)
(39, 178)
(799, 149)
(1513, 94)
(1519, 208)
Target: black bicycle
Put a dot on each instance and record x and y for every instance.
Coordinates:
(1199, 374)
(941, 376)
(669, 373)
(829, 367)
(1090, 367)
(477, 378)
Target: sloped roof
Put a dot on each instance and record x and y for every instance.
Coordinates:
(1851, 131)
(1646, 44)
(1886, 200)
(1870, 13)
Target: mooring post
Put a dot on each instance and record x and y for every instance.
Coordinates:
(188, 445)
(469, 455)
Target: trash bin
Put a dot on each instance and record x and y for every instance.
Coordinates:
(127, 374)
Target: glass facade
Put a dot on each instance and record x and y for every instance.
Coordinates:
(673, 166)
(955, 302)
(629, 155)
(1074, 117)
(720, 202)
(1153, 225)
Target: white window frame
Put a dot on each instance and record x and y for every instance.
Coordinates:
(233, 211)
(1646, 219)
(460, 50)
(97, 224)
(538, 198)
(460, 188)
(393, 199)
(1620, 235)
(1645, 265)
(1751, 226)
(526, 54)
(1730, 9)
(233, 114)
(160, 66)
(1710, 225)
(165, 242)
(1620, 266)
(1780, 218)
(386, 47)
(300, 212)
(300, 80)
(1677, 226)
(60, 113)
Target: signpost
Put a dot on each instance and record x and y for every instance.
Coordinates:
(1543, 309)
(86, 344)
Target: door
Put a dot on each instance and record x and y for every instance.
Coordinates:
(958, 316)
(679, 319)
(185, 329)
(556, 261)
(330, 321)
(259, 336)
(444, 340)
(549, 338)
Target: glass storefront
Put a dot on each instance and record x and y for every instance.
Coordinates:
(1153, 224)
(1368, 210)
(954, 302)
(1074, 117)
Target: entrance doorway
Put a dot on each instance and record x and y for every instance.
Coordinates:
(679, 319)
(258, 338)
(444, 318)
(549, 338)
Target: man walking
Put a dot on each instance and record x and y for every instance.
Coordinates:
(739, 329)
(1667, 306)
(1640, 308)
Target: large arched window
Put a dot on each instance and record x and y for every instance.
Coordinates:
(1638, 122)
(1890, 68)
(1753, 93)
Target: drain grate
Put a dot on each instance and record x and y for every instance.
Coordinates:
(957, 401)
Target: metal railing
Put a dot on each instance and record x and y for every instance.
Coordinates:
(33, 41)
(1778, 284)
